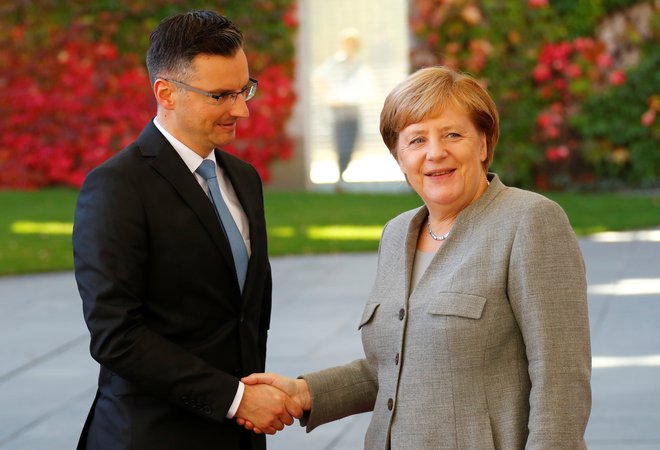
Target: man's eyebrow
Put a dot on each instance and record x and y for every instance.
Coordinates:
(229, 91)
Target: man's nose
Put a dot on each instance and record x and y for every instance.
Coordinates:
(240, 108)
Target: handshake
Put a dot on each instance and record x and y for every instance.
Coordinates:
(271, 401)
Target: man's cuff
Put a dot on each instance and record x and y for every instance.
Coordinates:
(237, 400)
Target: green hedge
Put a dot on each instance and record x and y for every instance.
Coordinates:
(501, 44)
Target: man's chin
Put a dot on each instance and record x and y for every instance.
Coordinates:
(225, 139)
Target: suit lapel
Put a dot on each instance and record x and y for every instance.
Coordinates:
(170, 166)
(412, 235)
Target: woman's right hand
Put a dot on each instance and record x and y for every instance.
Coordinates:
(297, 389)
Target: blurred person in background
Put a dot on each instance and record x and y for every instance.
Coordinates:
(344, 84)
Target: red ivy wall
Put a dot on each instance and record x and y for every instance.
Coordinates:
(70, 97)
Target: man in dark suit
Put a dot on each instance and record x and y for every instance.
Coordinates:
(175, 317)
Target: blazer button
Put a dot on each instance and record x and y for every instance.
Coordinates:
(402, 314)
(396, 360)
(390, 404)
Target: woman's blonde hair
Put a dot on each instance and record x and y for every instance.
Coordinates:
(426, 93)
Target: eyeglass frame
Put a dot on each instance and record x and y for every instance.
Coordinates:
(250, 88)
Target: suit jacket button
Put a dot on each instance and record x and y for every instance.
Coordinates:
(402, 313)
(207, 410)
(390, 404)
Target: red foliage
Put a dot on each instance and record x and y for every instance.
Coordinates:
(565, 73)
(67, 107)
(262, 136)
(559, 153)
(649, 116)
(72, 100)
(444, 37)
(537, 3)
(290, 18)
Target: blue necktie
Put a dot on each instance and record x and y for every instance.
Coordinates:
(238, 250)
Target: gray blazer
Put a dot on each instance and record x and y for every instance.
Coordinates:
(491, 350)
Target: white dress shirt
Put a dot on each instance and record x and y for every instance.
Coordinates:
(193, 160)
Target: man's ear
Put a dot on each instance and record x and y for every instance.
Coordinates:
(164, 93)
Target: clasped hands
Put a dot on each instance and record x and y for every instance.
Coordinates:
(271, 401)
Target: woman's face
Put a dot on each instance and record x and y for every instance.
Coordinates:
(441, 158)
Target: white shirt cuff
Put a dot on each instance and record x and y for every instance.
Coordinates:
(237, 400)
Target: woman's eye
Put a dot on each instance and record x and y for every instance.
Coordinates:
(417, 140)
(453, 135)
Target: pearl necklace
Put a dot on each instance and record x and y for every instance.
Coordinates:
(435, 237)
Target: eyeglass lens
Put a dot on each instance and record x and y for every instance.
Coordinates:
(247, 93)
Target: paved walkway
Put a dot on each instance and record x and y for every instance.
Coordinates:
(47, 379)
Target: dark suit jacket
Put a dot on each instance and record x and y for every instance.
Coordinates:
(168, 324)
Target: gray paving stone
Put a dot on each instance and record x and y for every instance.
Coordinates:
(47, 378)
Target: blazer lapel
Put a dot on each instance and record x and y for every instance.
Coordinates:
(412, 235)
(167, 162)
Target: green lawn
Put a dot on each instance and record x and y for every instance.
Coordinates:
(592, 213)
(35, 227)
(35, 230)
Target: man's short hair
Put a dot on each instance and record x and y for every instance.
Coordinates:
(177, 40)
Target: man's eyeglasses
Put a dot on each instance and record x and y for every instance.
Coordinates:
(247, 92)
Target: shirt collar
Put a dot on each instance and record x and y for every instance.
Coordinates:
(192, 159)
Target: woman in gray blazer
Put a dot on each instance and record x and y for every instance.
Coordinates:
(476, 332)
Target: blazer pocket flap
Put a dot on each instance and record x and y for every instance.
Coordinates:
(368, 313)
(454, 304)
